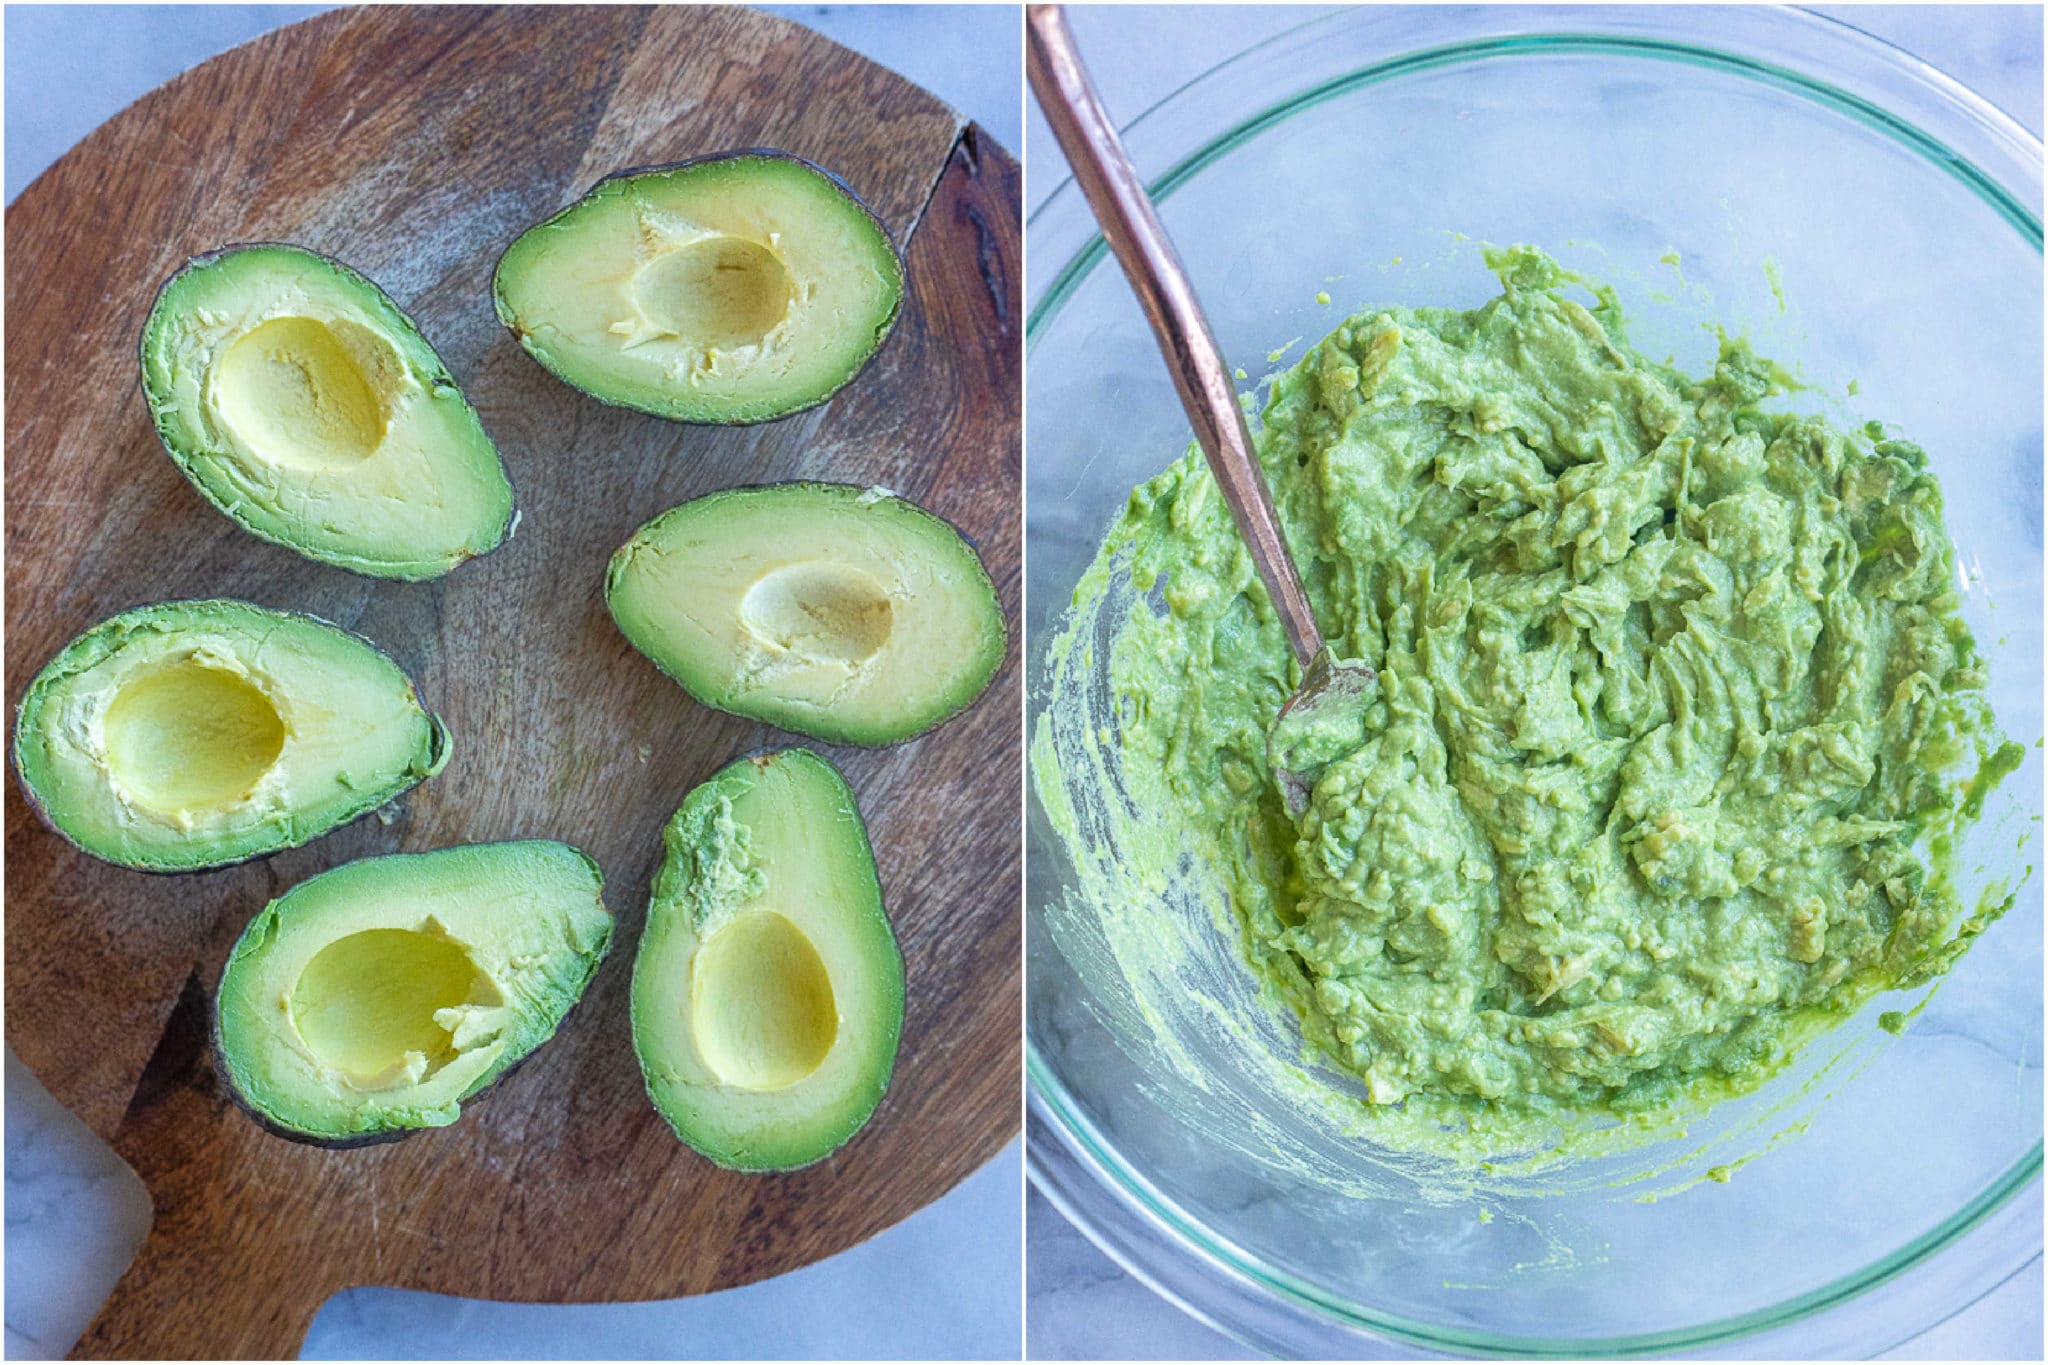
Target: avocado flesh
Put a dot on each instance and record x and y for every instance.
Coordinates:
(188, 735)
(768, 989)
(303, 403)
(843, 613)
(375, 998)
(735, 288)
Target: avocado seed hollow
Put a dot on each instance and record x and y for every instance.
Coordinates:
(761, 1003)
(307, 393)
(820, 611)
(191, 735)
(372, 1007)
(716, 292)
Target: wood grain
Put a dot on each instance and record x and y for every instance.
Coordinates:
(414, 143)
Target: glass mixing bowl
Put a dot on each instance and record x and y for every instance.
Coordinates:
(1862, 218)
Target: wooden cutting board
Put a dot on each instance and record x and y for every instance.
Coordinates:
(414, 143)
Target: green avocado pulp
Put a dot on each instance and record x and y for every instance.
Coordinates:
(1676, 715)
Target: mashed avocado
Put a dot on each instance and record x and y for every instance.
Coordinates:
(1676, 711)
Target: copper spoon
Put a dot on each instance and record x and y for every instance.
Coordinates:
(1325, 716)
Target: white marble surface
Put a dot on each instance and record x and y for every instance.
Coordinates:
(943, 1284)
(1078, 1303)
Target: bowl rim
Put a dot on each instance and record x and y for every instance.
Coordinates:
(1068, 1158)
(1630, 33)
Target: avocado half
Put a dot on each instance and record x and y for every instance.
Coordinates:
(839, 612)
(732, 288)
(305, 404)
(370, 1001)
(768, 989)
(188, 735)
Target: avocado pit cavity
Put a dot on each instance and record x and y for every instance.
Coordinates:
(386, 1008)
(186, 735)
(190, 735)
(833, 610)
(716, 293)
(302, 402)
(761, 1003)
(820, 612)
(382, 996)
(305, 393)
(768, 989)
(733, 288)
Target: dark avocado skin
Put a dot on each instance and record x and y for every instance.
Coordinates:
(744, 153)
(207, 258)
(442, 740)
(972, 544)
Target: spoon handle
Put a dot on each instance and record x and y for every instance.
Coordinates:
(1134, 233)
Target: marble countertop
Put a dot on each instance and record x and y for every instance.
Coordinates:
(1078, 1303)
(942, 1284)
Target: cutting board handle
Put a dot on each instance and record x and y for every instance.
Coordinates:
(181, 1300)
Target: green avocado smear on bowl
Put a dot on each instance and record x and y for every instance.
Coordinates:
(1675, 721)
